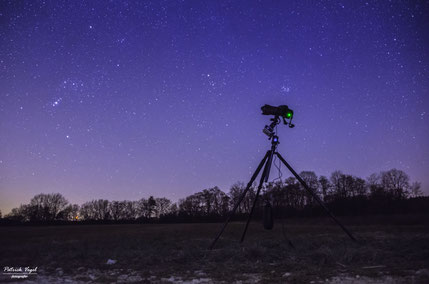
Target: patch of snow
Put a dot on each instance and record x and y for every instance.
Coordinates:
(200, 280)
(172, 279)
(199, 273)
(134, 278)
(111, 261)
(423, 272)
(286, 274)
(345, 279)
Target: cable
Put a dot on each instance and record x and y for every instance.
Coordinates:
(280, 174)
(279, 166)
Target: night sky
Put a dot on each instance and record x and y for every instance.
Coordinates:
(123, 100)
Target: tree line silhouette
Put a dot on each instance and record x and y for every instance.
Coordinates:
(388, 192)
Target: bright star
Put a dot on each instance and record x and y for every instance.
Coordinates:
(56, 102)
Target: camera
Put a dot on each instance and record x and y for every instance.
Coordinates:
(282, 111)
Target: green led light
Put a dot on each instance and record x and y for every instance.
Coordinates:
(288, 114)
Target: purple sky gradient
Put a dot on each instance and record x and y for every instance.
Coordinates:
(126, 99)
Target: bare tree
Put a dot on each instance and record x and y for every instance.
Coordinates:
(115, 209)
(415, 190)
(95, 210)
(18, 214)
(338, 181)
(354, 186)
(57, 203)
(311, 180)
(101, 207)
(162, 206)
(396, 182)
(375, 187)
(220, 201)
(325, 186)
(207, 197)
(359, 186)
(235, 192)
(129, 210)
(87, 211)
(174, 209)
(70, 213)
(75, 212)
(192, 205)
(275, 192)
(147, 207)
(373, 179)
(213, 200)
(46, 207)
(294, 195)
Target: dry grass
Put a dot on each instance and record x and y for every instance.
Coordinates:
(153, 252)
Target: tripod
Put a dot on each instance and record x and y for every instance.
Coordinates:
(267, 161)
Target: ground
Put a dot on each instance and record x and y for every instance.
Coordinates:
(178, 253)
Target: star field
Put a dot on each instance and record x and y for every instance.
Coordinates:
(126, 99)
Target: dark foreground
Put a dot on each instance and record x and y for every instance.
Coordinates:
(177, 253)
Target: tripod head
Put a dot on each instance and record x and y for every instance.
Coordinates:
(282, 111)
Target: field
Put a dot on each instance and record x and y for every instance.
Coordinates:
(177, 253)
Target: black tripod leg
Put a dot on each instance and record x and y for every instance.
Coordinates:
(252, 179)
(264, 174)
(315, 196)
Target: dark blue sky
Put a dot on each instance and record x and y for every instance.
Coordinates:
(126, 99)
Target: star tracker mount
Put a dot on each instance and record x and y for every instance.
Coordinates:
(286, 114)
